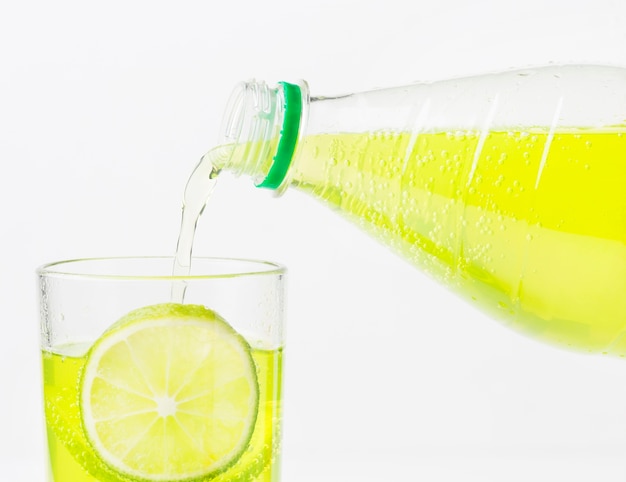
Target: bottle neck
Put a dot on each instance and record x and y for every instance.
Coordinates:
(263, 127)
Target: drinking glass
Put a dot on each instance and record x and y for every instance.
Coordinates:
(139, 386)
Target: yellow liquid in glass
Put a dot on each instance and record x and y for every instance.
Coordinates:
(530, 225)
(73, 460)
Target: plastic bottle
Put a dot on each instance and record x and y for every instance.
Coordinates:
(509, 188)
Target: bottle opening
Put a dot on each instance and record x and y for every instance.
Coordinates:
(262, 125)
(232, 123)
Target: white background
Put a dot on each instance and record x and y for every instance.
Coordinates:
(105, 107)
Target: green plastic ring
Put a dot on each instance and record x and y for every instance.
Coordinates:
(288, 137)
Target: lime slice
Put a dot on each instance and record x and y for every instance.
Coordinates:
(169, 393)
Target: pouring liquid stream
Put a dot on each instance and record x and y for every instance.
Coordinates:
(198, 191)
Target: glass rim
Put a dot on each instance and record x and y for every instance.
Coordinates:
(242, 267)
